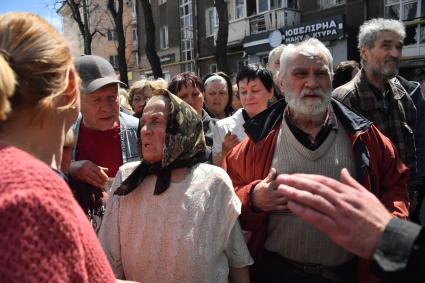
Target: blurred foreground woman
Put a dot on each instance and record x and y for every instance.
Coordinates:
(45, 236)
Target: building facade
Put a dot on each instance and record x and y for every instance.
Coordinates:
(257, 26)
(186, 32)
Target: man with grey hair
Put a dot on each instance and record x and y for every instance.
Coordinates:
(380, 96)
(274, 60)
(105, 137)
(309, 133)
(274, 67)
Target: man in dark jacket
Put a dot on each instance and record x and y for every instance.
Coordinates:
(311, 134)
(414, 90)
(378, 95)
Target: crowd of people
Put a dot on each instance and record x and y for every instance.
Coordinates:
(292, 172)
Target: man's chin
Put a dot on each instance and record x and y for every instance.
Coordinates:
(106, 125)
(310, 109)
(389, 74)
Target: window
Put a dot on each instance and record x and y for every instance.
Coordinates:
(136, 59)
(262, 6)
(292, 4)
(275, 4)
(133, 8)
(411, 35)
(325, 4)
(186, 32)
(166, 76)
(134, 35)
(240, 9)
(422, 34)
(186, 15)
(188, 67)
(149, 76)
(422, 9)
(113, 59)
(407, 10)
(404, 10)
(212, 20)
(163, 37)
(264, 60)
(212, 68)
(112, 35)
(267, 5)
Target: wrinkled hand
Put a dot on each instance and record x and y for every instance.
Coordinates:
(229, 142)
(87, 171)
(348, 213)
(266, 197)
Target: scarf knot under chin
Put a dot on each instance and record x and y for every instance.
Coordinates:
(184, 147)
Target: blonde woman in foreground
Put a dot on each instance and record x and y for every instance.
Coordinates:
(45, 236)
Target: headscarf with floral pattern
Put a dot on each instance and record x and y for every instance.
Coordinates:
(184, 146)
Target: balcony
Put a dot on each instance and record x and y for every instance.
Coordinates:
(273, 20)
(268, 21)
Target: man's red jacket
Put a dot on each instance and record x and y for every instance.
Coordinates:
(378, 168)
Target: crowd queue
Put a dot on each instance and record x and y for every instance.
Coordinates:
(294, 172)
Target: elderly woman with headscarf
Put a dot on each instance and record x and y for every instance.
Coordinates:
(173, 218)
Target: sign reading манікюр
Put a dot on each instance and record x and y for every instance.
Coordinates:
(325, 29)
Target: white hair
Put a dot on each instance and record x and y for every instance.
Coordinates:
(370, 30)
(311, 46)
(275, 51)
(215, 78)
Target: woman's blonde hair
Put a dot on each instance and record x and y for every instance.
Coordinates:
(35, 63)
(137, 87)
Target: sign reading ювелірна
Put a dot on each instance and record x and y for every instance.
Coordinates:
(325, 29)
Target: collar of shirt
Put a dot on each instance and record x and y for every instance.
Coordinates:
(329, 124)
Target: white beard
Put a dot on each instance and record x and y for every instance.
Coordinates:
(298, 105)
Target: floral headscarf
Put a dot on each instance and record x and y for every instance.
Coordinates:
(184, 146)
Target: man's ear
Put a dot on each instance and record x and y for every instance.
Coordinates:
(281, 85)
(364, 53)
(73, 89)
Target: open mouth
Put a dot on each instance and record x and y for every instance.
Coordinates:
(146, 145)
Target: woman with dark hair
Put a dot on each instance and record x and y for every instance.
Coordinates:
(255, 85)
(173, 218)
(218, 95)
(190, 88)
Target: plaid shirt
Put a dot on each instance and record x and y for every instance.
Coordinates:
(393, 113)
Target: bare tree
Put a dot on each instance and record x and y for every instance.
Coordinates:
(150, 40)
(81, 20)
(119, 28)
(222, 35)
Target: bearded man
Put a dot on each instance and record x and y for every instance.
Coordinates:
(310, 133)
(386, 99)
